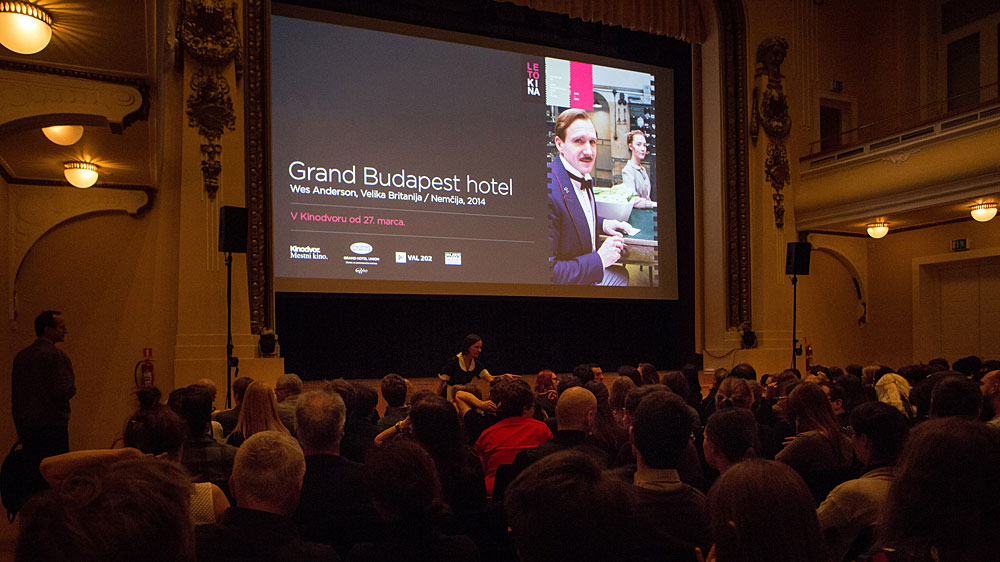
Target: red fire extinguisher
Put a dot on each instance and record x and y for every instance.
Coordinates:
(143, 372)
(809, 356)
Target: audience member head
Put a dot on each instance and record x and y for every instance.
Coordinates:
(393, 389)
(879, 431)
(946, 492)
(785, 388)
(648, 374)
(744, 371)
(718, 376)
(956, 396)
(137, 509)
(404, 484)
(348, 393)
(154, 429)
(693, 382)
(637, 394)
(515, 398)
(288, 384)
(939, 364)
(424, 394)
(259, 411)
(808, 404)
(567, 381)
(630, 372)
(988, 366)
(835, 393)
(545, 381)
(560, 486)
(991, 393)
(194, 405)
(854, 369)
(367, 399)
(267, 473)
(319, 421)
(576, 409)
(854, 391)
(661, 430)
(730, 436)
(762, 511)
(619, 391)
(676, 382)
(584, 373)
(734, 392)
(436, 426)
(968, 366)
(210, 385)
(598, 372)
(240, 386)
(835, 373)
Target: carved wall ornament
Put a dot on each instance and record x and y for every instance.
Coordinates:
(209, 34)
(900, 156)
(770, 112)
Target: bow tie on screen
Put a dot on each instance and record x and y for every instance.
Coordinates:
(584, 183)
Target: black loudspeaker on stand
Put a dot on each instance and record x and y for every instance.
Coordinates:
(233, 229)
(796, 263)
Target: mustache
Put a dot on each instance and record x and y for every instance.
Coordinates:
(586, 159)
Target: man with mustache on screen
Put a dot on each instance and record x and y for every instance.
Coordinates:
(577, 259)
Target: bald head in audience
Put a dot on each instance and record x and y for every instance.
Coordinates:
(267, 473)
(576, 409)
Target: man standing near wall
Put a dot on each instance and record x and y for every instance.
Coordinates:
(42, 383)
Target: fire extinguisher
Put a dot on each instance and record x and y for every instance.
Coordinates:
(809, 356)
(143, 372)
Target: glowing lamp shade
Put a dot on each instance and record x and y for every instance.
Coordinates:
(80, 174)
(983, 212)
(64, 135)
(24, 27)
(878, 229)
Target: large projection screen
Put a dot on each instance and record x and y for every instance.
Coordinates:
(410, 160)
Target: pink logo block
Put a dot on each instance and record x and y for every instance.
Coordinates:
(581, 85)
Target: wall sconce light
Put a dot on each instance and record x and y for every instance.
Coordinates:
(64, 135)
(878, 229)
(24, 27)
(983, 212)
(80, 174)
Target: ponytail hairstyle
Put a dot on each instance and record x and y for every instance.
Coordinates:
(733, 392)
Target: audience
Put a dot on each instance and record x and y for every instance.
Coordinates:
(258, 412)
(425, 494)
(335, 506)
(394, 389)
(648, 374)
(407, 495)
(730, 436)
(820, 452)
(517, 429)
(266, 482)
(942, 505)
(205, 459)
(287, 390)
(668, 510)
(228, 418)
(131, 510)
(849, 514)
(761, 511)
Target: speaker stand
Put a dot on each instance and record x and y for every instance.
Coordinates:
(231, 361)
(795, 341)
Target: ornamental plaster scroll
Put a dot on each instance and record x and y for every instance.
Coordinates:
(34, 212)
(26, 95)
(900, 156)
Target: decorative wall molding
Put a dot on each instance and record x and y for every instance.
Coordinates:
(29, 97)
(770, 112)
(33, 212)
(208, 32)
(900, 156)
(257, 143)
(732, 31)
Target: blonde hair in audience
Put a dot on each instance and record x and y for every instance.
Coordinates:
(733, 392)
(259, 412)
